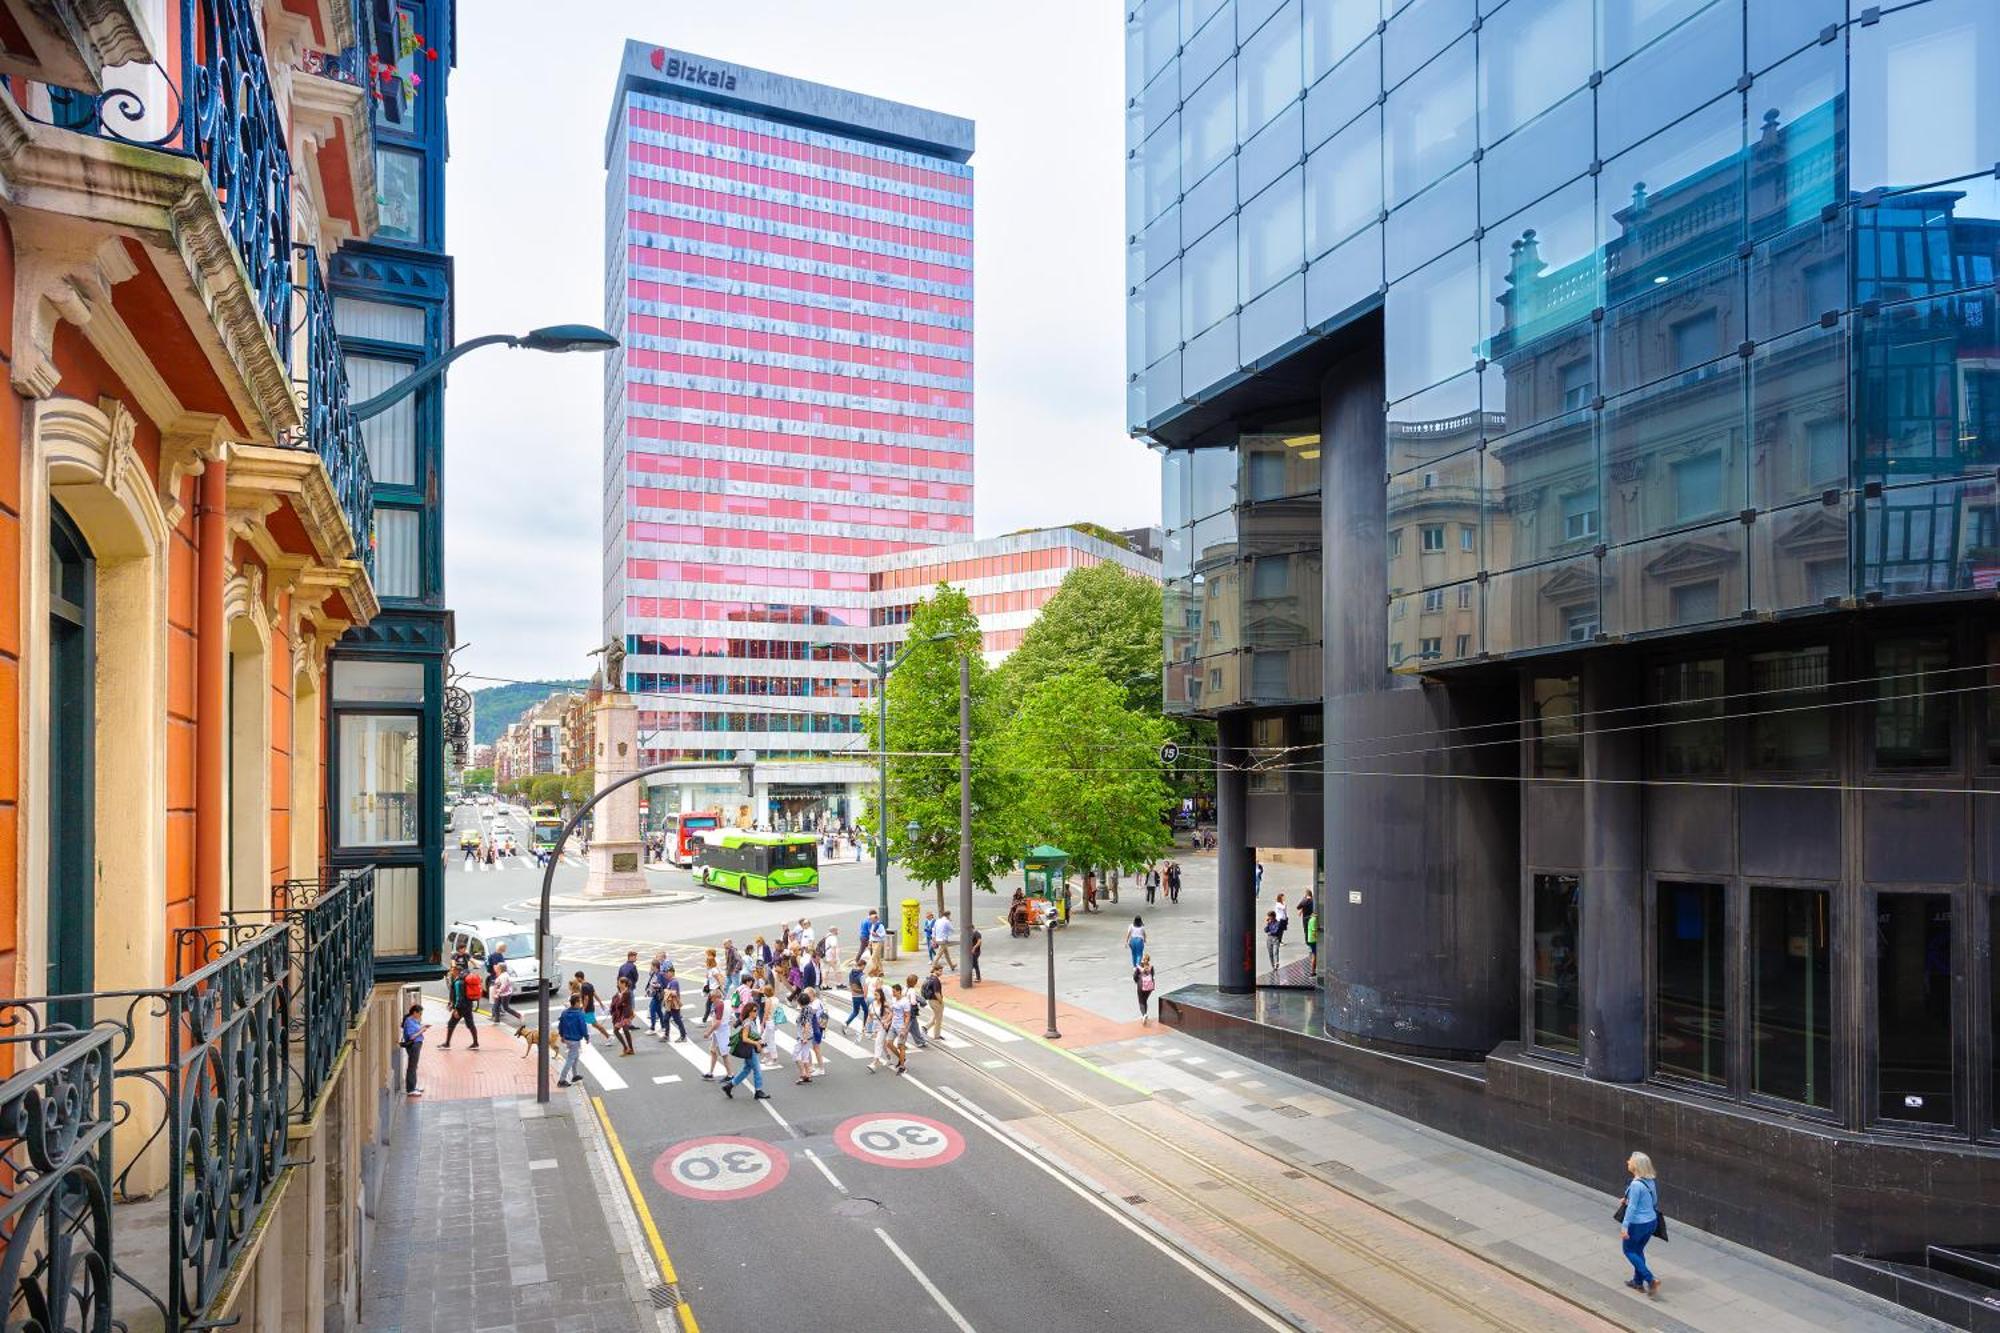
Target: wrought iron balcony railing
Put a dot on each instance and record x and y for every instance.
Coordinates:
(330, 928)
(185, 1092)
(331, 430)
(221, 111)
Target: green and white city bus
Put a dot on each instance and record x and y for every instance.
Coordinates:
(759, 865)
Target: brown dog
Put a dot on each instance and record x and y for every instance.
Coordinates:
(529, 1040)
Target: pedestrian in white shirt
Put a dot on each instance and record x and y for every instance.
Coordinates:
(942, 935)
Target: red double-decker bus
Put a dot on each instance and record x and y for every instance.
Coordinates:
(683, 833)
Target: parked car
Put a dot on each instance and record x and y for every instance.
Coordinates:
(479, 937)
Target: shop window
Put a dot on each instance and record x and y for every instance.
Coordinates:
(1557, 995)
(1790, 727)
(1691, 987)
(1691, 735)
(1558, 746)
(1914, 1032)
(1913, 702)
(1791, 995)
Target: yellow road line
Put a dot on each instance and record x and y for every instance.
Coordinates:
(660, 1256)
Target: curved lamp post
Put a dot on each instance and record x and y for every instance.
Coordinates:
(554, 338)
(544, 955)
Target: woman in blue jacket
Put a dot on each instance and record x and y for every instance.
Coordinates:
(1642, 1219)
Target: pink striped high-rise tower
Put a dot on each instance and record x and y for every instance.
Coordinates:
(789, 267)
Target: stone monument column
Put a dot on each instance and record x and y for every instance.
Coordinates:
(616, 844)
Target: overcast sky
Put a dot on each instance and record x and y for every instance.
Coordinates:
(529, 103)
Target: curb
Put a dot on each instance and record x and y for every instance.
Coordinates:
(651, 1291)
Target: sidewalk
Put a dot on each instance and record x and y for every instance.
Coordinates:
(498, 1213)
(1538, 1226)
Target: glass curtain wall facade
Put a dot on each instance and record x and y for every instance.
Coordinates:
(1613, 261)
(790, 270)
(1686, 316)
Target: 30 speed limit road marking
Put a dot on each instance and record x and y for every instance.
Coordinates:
(716, 1170)
(899, 1139)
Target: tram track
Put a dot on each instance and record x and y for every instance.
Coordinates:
(1441, 1304)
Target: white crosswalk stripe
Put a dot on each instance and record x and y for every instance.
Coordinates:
(599, 1068)
(982, 1027)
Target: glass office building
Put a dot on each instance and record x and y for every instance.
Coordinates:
(789, 267)
(1580, 423)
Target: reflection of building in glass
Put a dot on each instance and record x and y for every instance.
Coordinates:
(1653, 381)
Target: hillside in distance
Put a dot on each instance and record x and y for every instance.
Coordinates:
(498, 707)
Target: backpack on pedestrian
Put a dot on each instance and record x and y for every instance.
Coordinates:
(475, 986)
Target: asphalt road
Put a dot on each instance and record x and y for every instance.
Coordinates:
(936, 1219)
(978, 1234)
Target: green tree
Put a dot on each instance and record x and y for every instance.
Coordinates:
(580, 787)
(476, 778)
(1094, 785)
(545, 789)
(1107, 618)
(1103, 617)
(923, 753)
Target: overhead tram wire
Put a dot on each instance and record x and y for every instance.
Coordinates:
(1637, 708)
(1262, 765)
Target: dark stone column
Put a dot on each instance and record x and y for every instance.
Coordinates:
(1613, 960)
(1235, 861)
(1419, 927)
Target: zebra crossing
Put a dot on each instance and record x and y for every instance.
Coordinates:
(783, 1038)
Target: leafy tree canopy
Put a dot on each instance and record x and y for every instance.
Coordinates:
(1090, 769)
(923, 751)
(1102, 617)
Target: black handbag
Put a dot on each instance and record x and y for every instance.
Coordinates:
(1659, 1218)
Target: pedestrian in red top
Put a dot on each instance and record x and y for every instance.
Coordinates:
(622, 1015)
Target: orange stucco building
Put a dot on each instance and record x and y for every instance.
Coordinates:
(186, 526)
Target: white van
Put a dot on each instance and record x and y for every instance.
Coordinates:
(480, 937)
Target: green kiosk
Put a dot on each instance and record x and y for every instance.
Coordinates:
(1046, 870)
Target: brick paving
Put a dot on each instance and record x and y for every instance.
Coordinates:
(496, 1069)
(1029, 1011)
(495, 1216)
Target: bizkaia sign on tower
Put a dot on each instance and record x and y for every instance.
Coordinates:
(690, 71)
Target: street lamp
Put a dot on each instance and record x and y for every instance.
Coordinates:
(881, 673)
(554, 338)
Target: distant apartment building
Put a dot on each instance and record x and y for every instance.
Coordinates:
(1007, 579)
(789, 268)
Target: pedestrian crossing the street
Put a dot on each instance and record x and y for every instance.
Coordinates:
(784, 1045)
